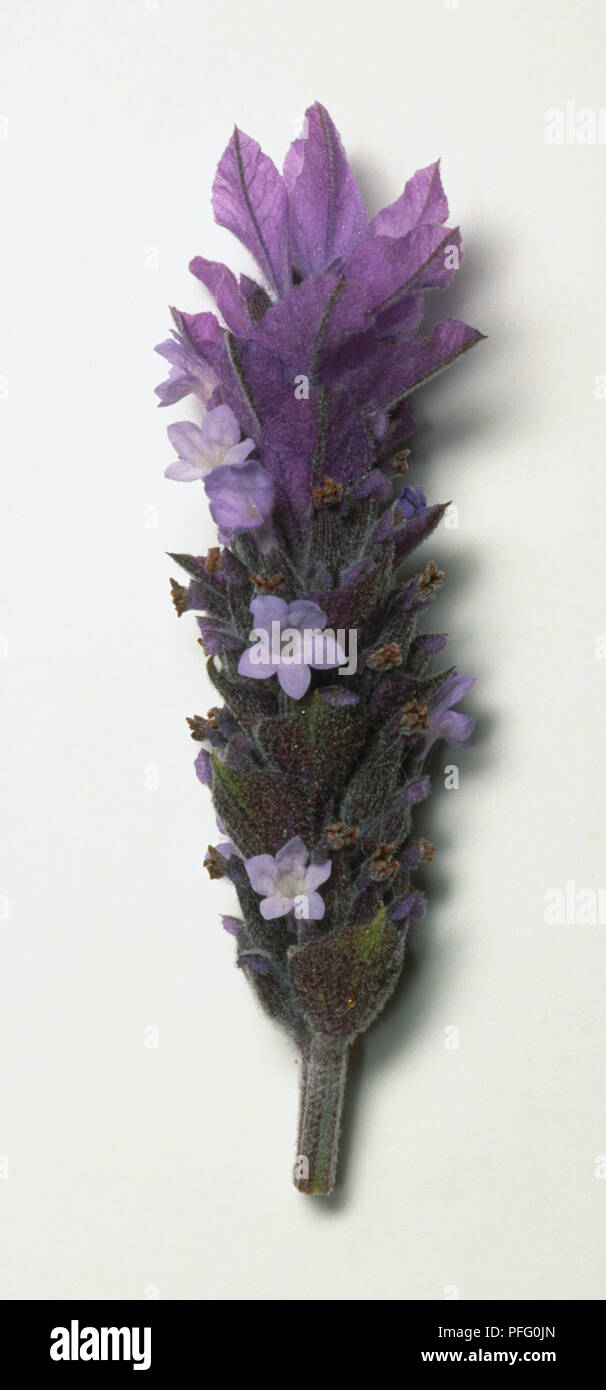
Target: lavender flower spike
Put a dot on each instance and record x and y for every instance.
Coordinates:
(315, 763)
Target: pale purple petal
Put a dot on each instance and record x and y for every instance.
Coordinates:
(275, 907)
(220, 431)
(257, 670)
(294, 680)
(262, 872)
(183, 472)
(266, 609)
(239, 452)
(314, 907)
(293, 855)
(187, 440)
(315, 875)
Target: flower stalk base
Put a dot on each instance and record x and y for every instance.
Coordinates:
(324, 1070)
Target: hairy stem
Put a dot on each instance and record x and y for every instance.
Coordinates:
(323, 1075)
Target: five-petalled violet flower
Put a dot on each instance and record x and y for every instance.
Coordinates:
(240, 492)
(304, 377)
(288, 883)
(204, 447)
(290, 640)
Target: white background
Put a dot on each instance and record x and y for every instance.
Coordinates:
(134, 1170)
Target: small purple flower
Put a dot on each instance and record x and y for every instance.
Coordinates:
(241, 496)
(204, 447)
(412, 905)
(288, 883)
(291, 639)
(188, 376)
(204, 768)
(412, 501)
(233, 925)
(444, 721)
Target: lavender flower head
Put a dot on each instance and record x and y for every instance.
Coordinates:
(311, 608)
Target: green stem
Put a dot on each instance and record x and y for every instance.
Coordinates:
(324, 1069)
